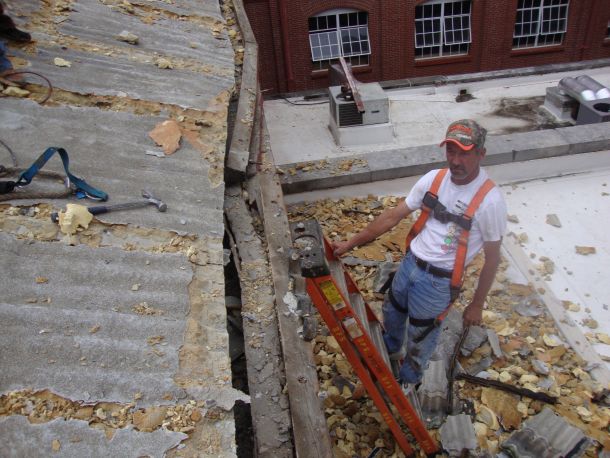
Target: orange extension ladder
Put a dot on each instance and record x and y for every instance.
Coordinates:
(352, 322)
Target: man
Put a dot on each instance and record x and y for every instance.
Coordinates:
(421, 287)
(9, 30)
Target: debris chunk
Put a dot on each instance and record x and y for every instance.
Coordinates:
(128, 37)
(513, 219)
(590, 323)
(58, 61)
(163, 63)
(13, 91)
(551, 340)
(55, 445)
(75, 217)
(553, 220)
(585, 250)
(42, 280)
(167, 135)
(149, 419)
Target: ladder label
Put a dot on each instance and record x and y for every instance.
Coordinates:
(332, 294)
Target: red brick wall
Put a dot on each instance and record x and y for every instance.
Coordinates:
(391, 32)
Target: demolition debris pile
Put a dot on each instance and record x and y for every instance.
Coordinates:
(521, 347)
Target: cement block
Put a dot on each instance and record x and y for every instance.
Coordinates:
(500, 150)
(538, 145)
(399, 163)
(328, 177)
(586, 138)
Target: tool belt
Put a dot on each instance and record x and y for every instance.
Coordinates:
(80, 187)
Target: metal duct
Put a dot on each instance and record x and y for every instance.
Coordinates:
(576, 89)
(601, 91)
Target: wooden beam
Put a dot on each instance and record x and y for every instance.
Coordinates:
(311, 436)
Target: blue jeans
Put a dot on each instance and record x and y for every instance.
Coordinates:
(425, 296)
(5, 64)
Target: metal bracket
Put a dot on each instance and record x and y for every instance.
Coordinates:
(308, 248)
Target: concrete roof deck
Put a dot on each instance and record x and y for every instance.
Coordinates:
(419, 115)
(129, 313)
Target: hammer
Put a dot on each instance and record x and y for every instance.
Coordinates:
(98, 210)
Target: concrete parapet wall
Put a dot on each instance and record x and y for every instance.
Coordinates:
(405, 162)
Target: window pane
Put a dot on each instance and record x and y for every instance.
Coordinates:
(332, 21)
(343, 21)
(363, 18)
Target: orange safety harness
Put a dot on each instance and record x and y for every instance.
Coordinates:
(430, 202)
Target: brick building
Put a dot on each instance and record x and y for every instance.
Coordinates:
(398, 39)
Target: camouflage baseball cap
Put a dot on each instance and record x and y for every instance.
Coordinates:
(465, 133)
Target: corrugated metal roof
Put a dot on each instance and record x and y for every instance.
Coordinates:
(433, 394)
(546, 436)
(67, 305)
(457, 435)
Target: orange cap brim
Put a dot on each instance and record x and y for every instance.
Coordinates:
(464, 147)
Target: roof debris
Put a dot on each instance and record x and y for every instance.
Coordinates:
(167, 134)
(527, 353)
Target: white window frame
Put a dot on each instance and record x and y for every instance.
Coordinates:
(442, 37)
(540, 19)
(327, 44)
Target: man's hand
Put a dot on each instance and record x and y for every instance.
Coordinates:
(473, 315)
(340, 248)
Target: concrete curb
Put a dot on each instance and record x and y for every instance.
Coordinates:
(405, 162)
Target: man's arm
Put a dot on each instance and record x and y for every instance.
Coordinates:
(474, 311)
(380, 225)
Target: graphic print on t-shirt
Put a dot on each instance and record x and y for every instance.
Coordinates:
(453, 230)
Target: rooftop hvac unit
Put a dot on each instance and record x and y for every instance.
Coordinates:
(344, 112)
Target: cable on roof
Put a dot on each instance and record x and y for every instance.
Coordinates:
(11, 152)
(310, 103)
(24, 72)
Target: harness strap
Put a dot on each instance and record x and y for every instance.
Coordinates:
(425, 211)
(82, 189)
(462, 249)
(417, 322)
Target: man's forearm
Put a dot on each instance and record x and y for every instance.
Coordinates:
(383, 223)
(486, 279)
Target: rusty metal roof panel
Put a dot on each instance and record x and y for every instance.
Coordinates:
(546, 435)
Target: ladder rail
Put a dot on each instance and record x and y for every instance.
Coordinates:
(351, 354)
(332, 301)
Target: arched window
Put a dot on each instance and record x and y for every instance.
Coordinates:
(339, 33)
(442, 28)
(540, 23)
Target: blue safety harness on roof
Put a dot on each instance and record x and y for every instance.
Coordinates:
(80, 186)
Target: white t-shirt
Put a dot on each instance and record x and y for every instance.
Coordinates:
(437, 242)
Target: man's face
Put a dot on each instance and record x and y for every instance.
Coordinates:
(464, 165)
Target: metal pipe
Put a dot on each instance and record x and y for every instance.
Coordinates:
(601, 91)
(575, 89)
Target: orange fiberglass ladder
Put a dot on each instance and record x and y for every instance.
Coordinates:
(357, 331)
